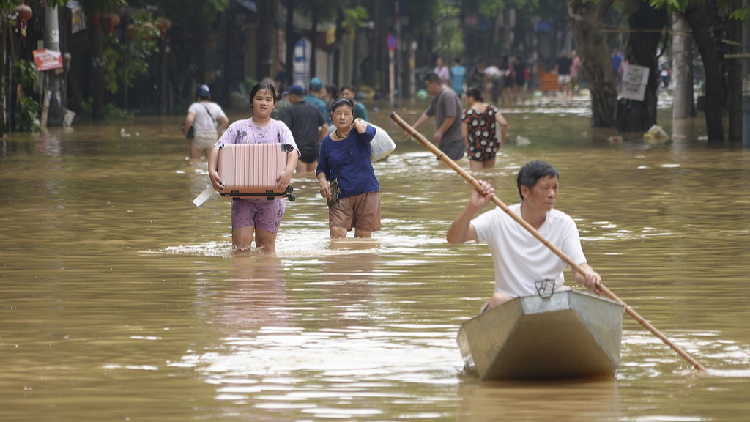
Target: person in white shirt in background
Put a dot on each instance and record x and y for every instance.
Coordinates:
(209, 121)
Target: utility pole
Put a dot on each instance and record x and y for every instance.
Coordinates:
(52, 42)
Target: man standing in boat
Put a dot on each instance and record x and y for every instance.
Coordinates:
(523, 264)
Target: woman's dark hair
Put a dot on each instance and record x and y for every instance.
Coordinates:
(532, 171)
(342, 102)
(474, 93)
(261, 86)
(332, 92)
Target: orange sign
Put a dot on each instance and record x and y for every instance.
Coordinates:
(47, 59)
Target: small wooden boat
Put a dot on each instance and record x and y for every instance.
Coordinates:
(569, 334)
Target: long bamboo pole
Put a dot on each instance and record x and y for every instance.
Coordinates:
(577, 268)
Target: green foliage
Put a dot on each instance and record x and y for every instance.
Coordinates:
(353, 18)
(124, 60)
(25, 73)
(26, 115)
(11, 4)
(741, 14)
(190, 12)
(672, 6)
(112, 113)
(26, 111)
(449, 41)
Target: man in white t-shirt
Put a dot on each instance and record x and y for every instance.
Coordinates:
(521, 260)
(209, 122)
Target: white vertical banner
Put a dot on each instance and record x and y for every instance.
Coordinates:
(634, 80)
(301, 62)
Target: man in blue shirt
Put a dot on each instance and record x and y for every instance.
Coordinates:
(313, 97)
(360, 112)
(458, 74)
(616, 62)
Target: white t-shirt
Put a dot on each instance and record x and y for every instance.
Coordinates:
(204, 123)
(520, 258)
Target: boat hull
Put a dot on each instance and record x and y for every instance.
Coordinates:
(567, 335)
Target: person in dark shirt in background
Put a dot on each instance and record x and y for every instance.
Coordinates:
(307, 126)
(519, 73)
(360, 112)
(280, 80)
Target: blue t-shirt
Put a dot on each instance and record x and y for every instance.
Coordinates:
(458, 74)
(349, 161)
(616, 62)
(317, 102)
(360, 112)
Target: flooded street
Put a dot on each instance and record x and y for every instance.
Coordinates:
(122, 301)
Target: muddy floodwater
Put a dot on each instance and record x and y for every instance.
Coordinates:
(120, 300)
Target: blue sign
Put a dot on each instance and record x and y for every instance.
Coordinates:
(543, 26)
(392, 42)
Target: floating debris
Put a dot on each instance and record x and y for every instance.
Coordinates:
(655, 135)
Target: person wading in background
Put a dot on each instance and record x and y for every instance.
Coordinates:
(204, 115)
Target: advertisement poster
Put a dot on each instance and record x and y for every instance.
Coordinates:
(77, 20)
(47, 59)
(634, 80)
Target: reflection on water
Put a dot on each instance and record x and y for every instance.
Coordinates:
(558, 401)
(122, 300)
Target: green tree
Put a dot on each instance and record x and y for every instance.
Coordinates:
(646, 24)
(700, 15)
(586, 20)
(8, 22)
(95, 10)
(449, 33)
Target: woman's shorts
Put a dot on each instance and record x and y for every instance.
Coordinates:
(205, 141)
(262, 213)
(361, 212)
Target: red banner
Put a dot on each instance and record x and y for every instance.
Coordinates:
(47, 59)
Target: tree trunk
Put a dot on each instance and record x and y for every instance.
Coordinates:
(370, 75)
(163, 91)
(633, 115)
(290, 39)
(97, 73)
(337, 52)
(3, 51)
(586, 19)
(383, 59)
(682, 46)
(124, 86)
(221, 94)
(314, 46)
(734, 67)
(698, 15)
(266, 9)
